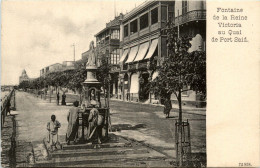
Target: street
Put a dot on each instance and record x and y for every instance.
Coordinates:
(142, 123)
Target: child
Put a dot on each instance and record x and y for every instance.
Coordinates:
(53, 127)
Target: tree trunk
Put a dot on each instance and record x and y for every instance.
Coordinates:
(180, 130)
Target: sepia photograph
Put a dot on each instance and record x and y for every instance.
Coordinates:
(103, 83)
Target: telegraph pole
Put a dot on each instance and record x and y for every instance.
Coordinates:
(73, 51)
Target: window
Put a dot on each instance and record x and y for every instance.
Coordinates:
(114, 56)
(115, 34)
(133, 27)
(126, 30)
(171, 12)
(154, 15)
(144, 21)
(184, 7)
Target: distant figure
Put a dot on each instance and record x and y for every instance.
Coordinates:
(8, 107)
(73, 124)
(53, 127)
(95, 124)
(58, 98)
(167, 107)
(63, 102)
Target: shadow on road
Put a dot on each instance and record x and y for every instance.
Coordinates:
(120, 127)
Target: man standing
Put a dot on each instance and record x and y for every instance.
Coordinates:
(73, 123)
(58, 98)
(63, 102)
(95, 126)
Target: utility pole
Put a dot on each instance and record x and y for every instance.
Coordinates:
(74, 51)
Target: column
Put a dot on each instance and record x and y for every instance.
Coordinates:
(150, 80)
(128, 89)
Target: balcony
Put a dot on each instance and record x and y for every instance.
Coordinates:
(132, 67)
(142, 65)
(191, 16)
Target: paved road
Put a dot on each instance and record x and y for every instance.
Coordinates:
(144, 123)
(147, 123)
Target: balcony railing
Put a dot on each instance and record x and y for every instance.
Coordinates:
(132, 67)
(142, 65)
(191, 16)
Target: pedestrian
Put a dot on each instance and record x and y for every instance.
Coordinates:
(52, 128)
(167, 107)
(95, 124)
(8, 107)
(58, 98)
(63, 102)
(73, 123)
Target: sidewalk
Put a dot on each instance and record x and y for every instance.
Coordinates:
(186, 109)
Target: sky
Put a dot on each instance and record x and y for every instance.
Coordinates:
(39, 33)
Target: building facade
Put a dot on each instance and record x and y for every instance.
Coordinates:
(23, 77)
(66, 65)
(107, 43)
(191, 21)
(143, 48)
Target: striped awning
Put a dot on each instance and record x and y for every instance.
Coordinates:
(123, 57)
(132, 54)
(152, 49)
(142, 51)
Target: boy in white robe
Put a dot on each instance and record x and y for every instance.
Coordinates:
(53, 127)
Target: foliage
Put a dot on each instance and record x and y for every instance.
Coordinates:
(103, 70)
(24, 85)
(180, 68)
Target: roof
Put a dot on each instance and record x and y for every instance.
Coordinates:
(115, 23)
(138, 9)
(106, 28)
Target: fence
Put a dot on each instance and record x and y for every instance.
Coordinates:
(183, 143)
(7, 103)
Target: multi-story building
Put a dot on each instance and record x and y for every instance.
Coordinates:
(107, 43)
(66, 65)
(191, 20)
(23, 77)
(143, 48)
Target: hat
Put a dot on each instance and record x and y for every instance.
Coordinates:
(93, 102)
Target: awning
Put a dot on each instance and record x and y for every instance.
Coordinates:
(134, 85)
(132, 54)
(196, 44)
(142, 51)
(155, 74)
(152, 49)
(124, 55)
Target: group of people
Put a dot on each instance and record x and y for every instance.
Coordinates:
(63, 100)
(94, 120)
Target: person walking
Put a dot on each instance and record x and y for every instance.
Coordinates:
(167, 107)
(52, 128)
(73, 123)
(8, 107)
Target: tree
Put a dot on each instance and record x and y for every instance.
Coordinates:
(179, 69)
(103, 75)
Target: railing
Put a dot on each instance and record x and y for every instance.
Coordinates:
(191, 16)
(142, 65)
(132, 67)
(6, 105)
